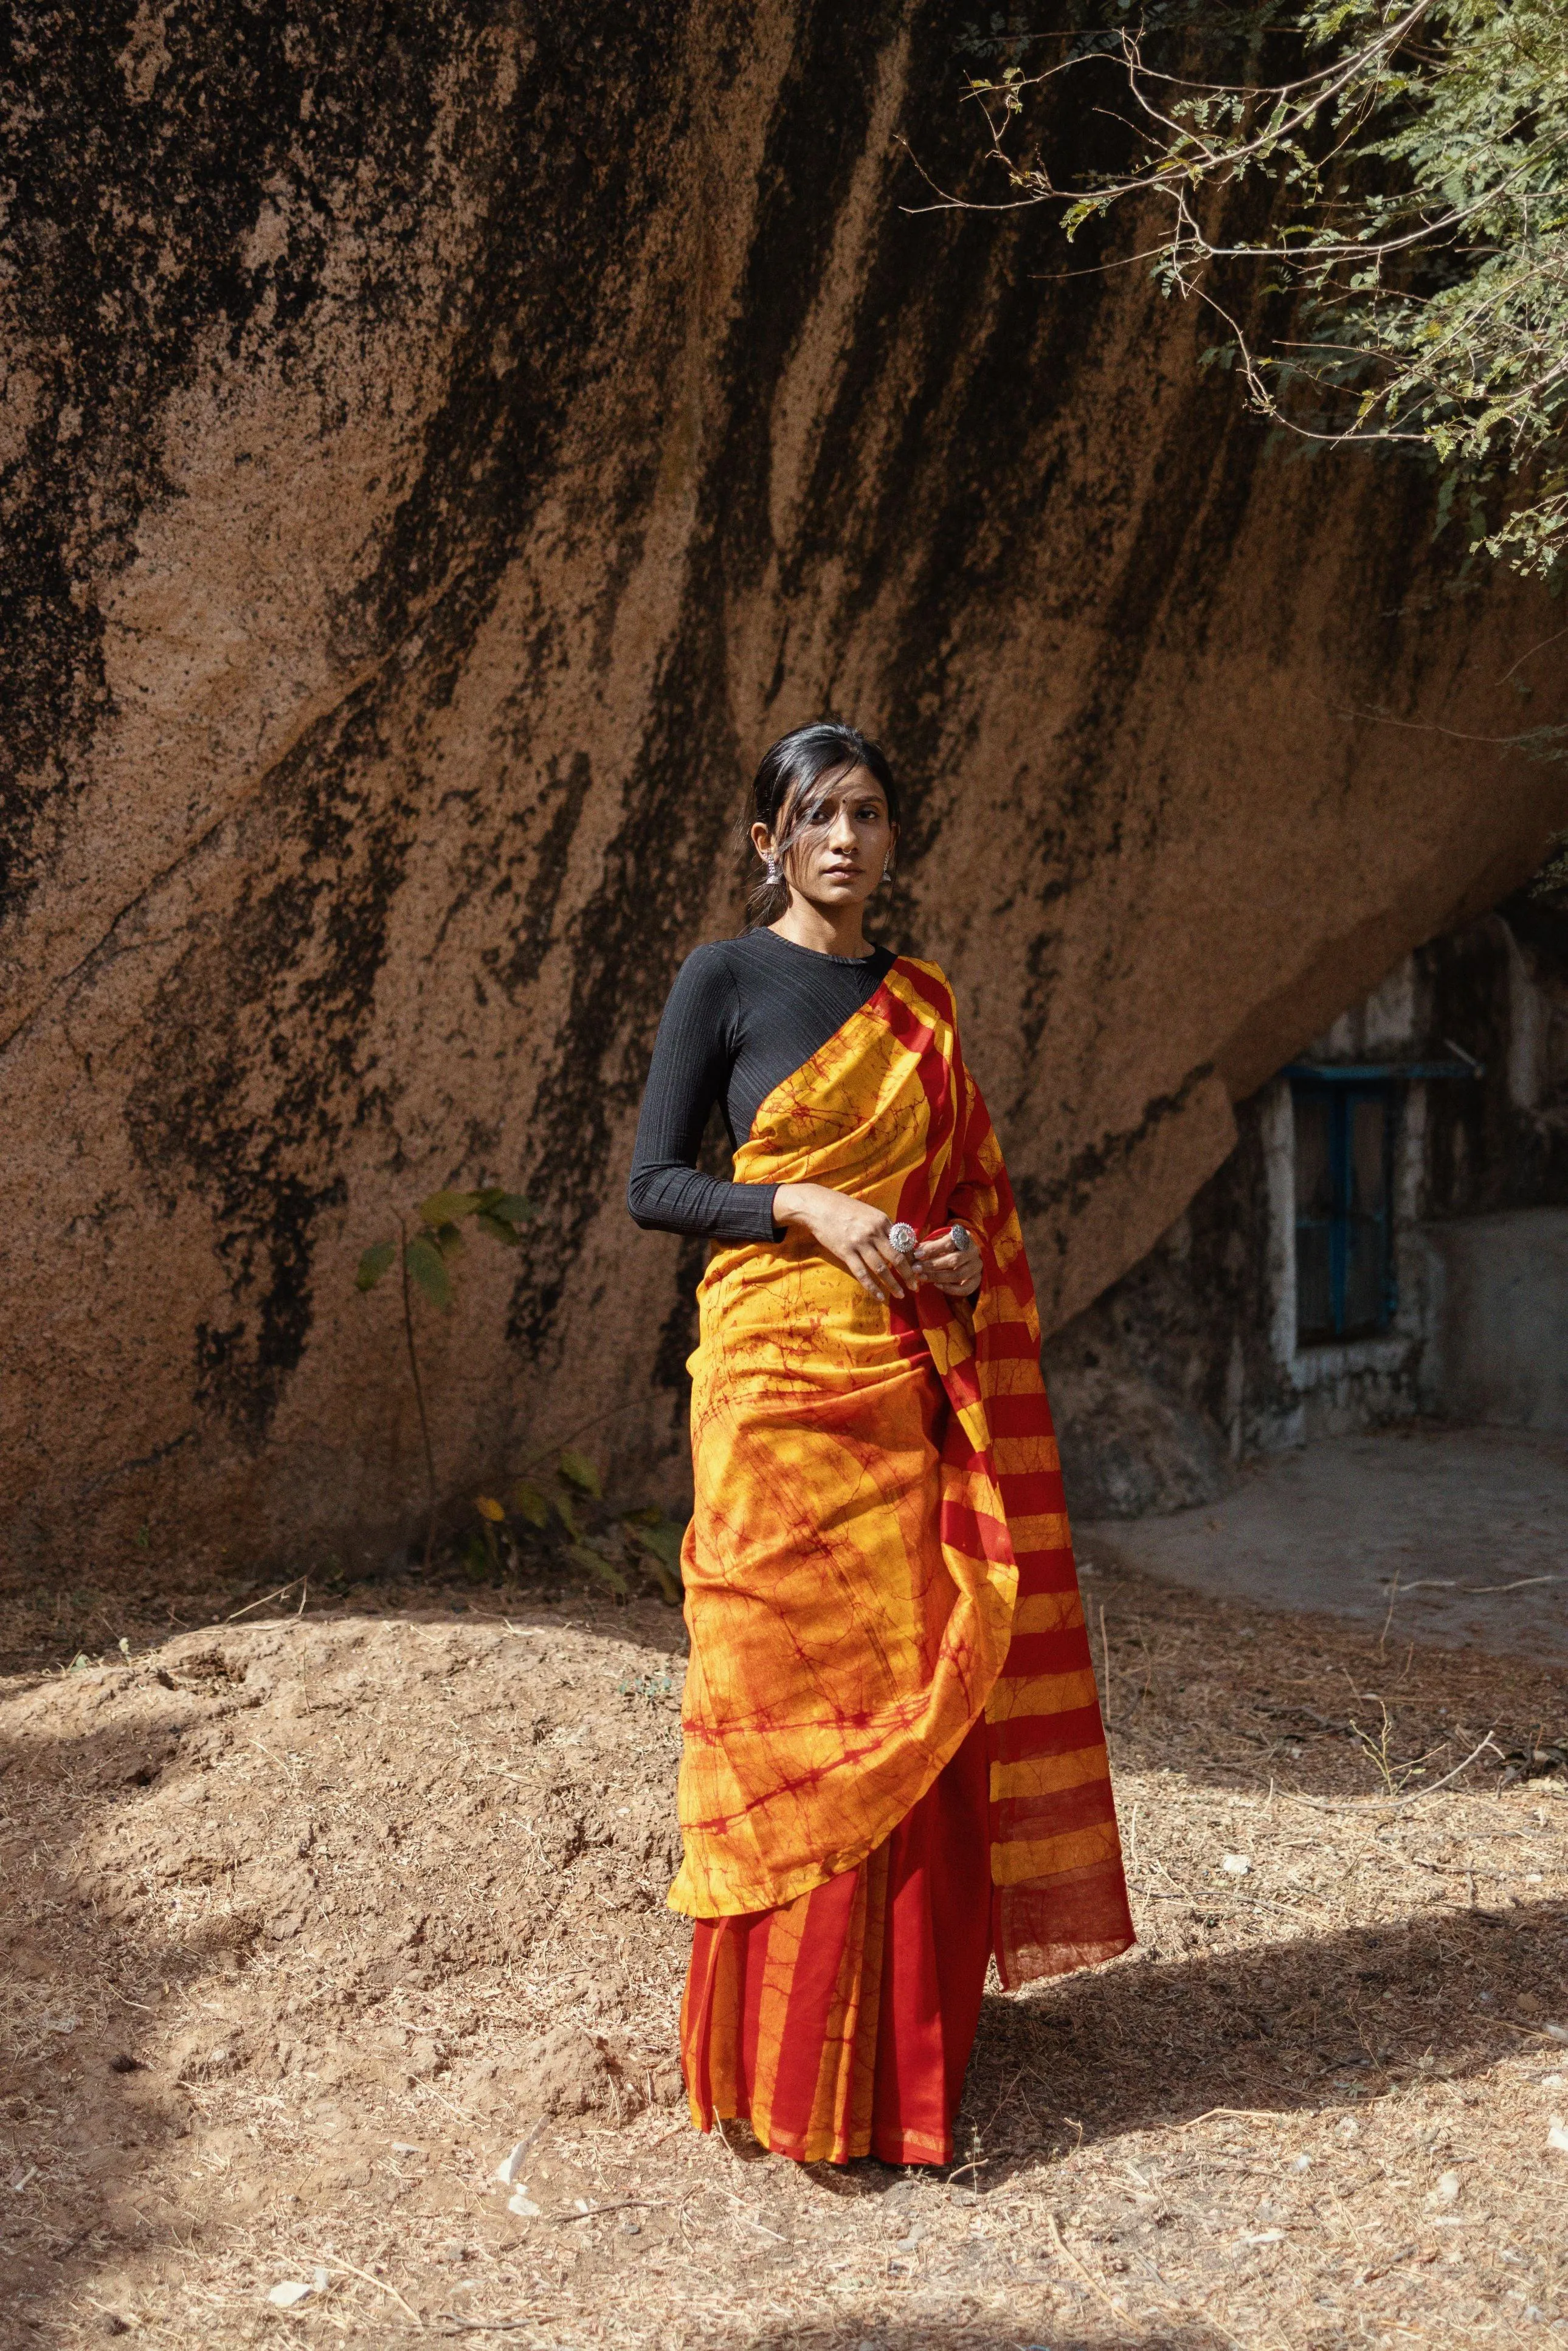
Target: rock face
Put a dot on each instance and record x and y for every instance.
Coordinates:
(441, 448)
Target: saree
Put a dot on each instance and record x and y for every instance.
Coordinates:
(889, 1682)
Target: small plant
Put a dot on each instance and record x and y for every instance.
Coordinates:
(1378, 1747)
(658, 1541)
(648, 1687)
(572, 1513)
(426, 1258)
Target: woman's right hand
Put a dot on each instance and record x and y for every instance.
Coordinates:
(848, 1229)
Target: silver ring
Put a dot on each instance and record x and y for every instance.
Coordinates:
(960, 1240)
(904, 1237)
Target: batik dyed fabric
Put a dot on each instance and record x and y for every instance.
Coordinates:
(878, 1558)
(840, 2025)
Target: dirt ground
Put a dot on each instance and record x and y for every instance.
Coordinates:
(310, 1918)
(1453, 1535)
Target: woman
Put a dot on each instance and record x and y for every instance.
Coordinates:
(893, 1764)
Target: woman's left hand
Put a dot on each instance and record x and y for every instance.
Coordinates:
(957, 1271)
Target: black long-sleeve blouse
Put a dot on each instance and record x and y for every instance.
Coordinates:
(743, 1015)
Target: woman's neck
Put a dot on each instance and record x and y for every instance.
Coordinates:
(828, 930)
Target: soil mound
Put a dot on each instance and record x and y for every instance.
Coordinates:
(355, 1863)
(337, 2003)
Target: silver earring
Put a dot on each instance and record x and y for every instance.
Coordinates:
(887, 869)
(772, 872)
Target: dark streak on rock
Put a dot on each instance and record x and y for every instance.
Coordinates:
(252, 1075)
(1073, 1187)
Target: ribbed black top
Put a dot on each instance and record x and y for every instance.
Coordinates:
(743, 1015)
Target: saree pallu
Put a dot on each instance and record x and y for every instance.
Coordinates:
(878, 1566)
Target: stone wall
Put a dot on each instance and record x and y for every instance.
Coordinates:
(439, 449)
(1496, 1347)
(1189, 1362)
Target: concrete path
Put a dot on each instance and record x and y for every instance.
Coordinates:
(1473, 1523)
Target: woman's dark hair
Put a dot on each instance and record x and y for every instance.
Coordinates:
(790, 768)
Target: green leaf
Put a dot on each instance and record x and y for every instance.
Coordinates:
(663, 1540)
(426, 1267)
(598, 1565)
(531, 1504)
(488, 1507)
(497, 1229)
(659, 1539)
(565, 1513)
(497, 1201)
(449, 1241)
(378, 1259)
(579, 1471)
(670, 1589)
(443, 1206)
(478, 1555)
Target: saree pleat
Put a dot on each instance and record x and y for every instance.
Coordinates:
(879, 1581)
(841, 2024)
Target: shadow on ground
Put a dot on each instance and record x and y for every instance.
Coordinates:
(1306, 2025)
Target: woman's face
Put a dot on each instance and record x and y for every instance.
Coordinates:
(838, 836)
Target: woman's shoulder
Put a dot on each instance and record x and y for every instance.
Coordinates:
(704, 990)
(714, 963)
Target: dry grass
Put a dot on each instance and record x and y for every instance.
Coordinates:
(333, 1882)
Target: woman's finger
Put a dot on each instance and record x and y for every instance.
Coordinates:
(944, 1239)
(943, 1253)
(879, 1278)
(960, 1276)
(887, 1259)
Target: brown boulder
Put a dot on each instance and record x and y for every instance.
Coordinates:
(438, 460)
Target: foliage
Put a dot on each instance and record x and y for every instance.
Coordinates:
(437, 1242)
(577, 1526)
(426, 1258)
(658, 1541)
(1412, 258)
(567, 1517)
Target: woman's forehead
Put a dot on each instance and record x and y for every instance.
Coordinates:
(844, 783)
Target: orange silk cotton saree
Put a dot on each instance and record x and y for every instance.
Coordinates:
(894, 1763)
